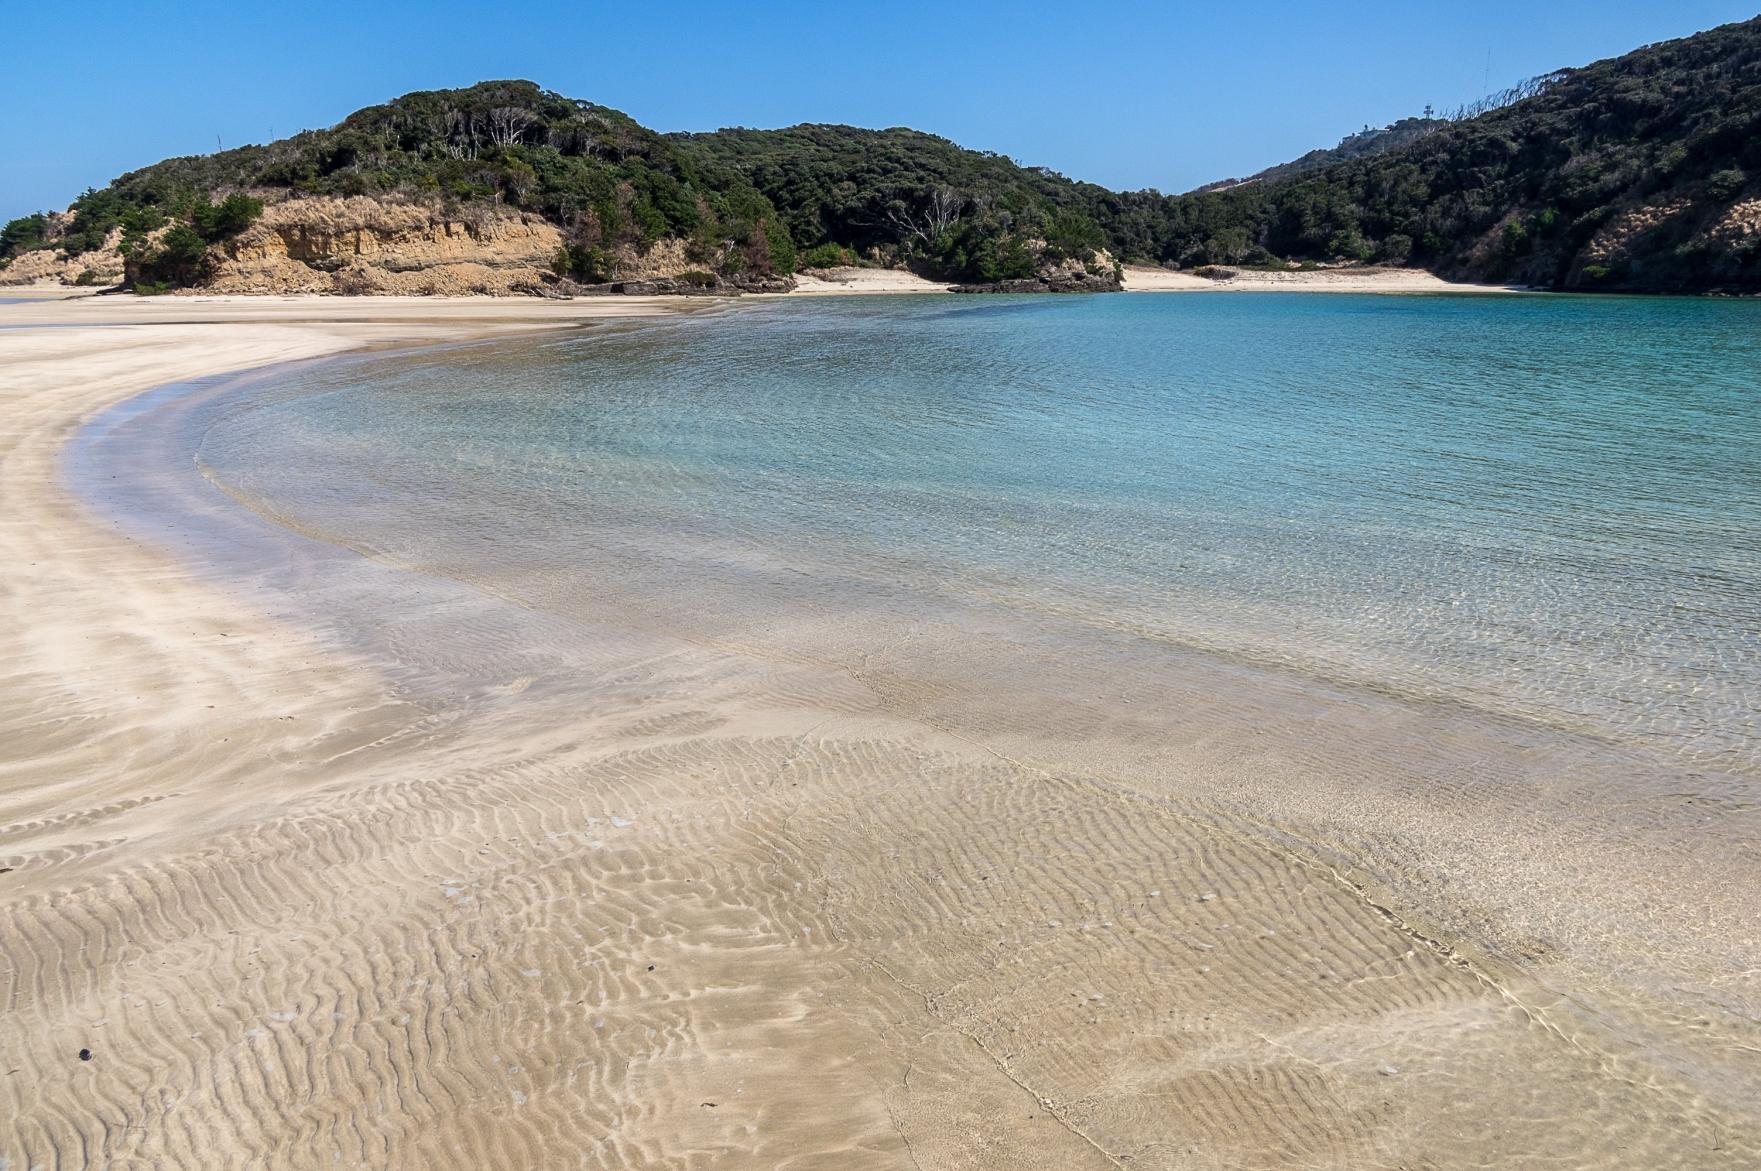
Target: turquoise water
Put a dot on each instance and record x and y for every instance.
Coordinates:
(1541, 507)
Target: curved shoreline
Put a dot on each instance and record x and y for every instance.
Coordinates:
(762, 914)
(68, 362)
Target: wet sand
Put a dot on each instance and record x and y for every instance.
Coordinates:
(510, 892)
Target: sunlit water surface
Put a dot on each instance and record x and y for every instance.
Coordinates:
(1546, 508)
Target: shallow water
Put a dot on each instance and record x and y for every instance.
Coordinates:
(1257, 731)
(1547, 508)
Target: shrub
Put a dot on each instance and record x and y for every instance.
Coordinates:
(1395, 248)
(779, 246)
(229, 217)
(1072, 234)
(586, 263)
(1349, 245)
(88, 277)
(23, 234)
(1724, 185)
(1516, 239)
(1215, 272)
(827, 255)
(177, 260)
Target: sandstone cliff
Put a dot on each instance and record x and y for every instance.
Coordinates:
(364, 246)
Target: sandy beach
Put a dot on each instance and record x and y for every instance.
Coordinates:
(264, 905)
(1146, 279)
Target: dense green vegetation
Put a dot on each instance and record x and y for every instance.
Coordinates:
(1620, 175)
(906, 197)
(613, 185)
(1518, 192)
(23, 234)
(608, 180)
(1513, 189)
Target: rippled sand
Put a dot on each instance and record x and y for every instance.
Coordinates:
(504, 890)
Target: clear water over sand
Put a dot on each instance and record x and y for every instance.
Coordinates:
(1540, 508)
(1210, 732)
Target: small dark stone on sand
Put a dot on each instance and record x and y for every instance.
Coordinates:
(651, 967)
(85, 1054)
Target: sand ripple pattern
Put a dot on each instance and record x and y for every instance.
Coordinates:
(805, 950)
(521, 891)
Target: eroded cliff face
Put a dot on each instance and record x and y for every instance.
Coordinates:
(102, 266)
(364, 245)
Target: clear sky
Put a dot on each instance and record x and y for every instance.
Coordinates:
(1128, 94)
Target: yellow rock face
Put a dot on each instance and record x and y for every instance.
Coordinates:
(363, 245)
(50, 266)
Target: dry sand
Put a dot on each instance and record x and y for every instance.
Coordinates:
(838, 281)
(709, 909)
(1148, 279)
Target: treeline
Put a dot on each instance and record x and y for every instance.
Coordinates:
(1657, 151)
(901, 196)
(615, 187)
(1634, 173)
(608, 181)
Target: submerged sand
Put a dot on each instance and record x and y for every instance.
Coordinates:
(694, 906)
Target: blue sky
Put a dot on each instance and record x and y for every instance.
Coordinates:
(1166, 95)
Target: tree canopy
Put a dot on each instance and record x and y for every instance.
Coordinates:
(1642, 172)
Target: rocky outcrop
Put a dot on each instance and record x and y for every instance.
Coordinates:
(360, 245)
(101, 266)
(1100, 273)
(688, 284)
(1613, 244)
(1039, 284)
(1739, 227)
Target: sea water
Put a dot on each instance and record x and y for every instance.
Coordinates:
(1546, 508)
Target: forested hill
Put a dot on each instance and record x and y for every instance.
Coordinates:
(1639, 173)
(883, 192)
(515, 186)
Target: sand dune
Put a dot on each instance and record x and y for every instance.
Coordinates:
(689, 906)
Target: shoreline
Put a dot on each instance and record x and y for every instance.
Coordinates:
(167, 738)
(870, 282)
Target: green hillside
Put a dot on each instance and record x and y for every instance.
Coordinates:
(1640, 173)
(1632, 173)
